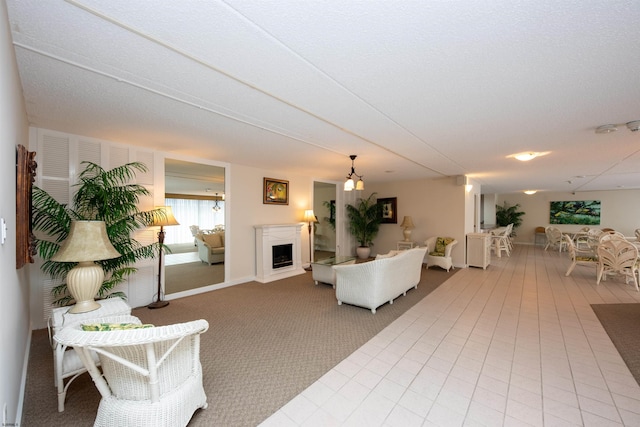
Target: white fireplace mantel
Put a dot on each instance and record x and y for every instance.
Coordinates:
(270, 235)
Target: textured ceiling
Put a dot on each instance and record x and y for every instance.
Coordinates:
(417, 89)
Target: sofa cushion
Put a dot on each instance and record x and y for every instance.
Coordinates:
(388, 255)
(213, 240)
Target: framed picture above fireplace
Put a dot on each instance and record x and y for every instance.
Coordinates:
(275, 192)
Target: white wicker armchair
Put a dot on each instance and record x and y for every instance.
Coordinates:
(150, 377)
(434, 258)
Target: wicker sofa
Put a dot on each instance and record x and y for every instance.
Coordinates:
(371, 284)
(210, 247)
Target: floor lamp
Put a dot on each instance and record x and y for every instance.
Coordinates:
(162, 217)
(310, 218)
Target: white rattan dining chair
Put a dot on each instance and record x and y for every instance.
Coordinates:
(500, 243)
(554, 238)
(579, 256)
(150, 377)
(617, 256)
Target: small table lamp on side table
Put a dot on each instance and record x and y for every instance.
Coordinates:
(407, 226)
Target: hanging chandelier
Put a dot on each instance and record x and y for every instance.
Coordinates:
(216, 206)
(349, 184)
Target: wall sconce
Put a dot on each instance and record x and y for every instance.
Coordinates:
(464, 180)
(349, 184)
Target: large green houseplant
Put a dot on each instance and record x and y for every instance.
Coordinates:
(506, 215)
(364, 222)
(99, 195)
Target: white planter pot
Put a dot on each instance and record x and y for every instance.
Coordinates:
(363, 252)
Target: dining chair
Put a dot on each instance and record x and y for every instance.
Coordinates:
(500, 243)
(586, 256)
(611, 235)
(617, 256)
(554, 238)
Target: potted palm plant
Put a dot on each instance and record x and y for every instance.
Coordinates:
(100, 195)
(364, 222)
(506, 215)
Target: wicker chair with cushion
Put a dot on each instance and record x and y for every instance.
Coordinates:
(579, 256)
(617, 256)
(150, 376)
(554, 238)
(439, 251)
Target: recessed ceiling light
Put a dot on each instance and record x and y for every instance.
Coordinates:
(525, 157)
(606, 129)
(530, 192)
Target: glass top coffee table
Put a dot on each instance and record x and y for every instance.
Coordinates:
(323, 270)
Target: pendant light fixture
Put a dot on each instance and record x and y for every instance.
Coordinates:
(216, 206)
(349, 184)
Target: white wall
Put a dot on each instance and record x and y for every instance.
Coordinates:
(619, 210)
(248, 210)
(14, 315)
(437, 206)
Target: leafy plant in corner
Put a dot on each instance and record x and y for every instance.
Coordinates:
(100, 195)
(364, 220)
(506, 215)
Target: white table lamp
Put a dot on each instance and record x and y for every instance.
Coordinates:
(87, 242)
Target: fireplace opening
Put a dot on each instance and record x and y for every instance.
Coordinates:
(282, 255)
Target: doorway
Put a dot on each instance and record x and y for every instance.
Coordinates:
(324, 232)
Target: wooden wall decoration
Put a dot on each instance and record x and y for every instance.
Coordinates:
(25, 177)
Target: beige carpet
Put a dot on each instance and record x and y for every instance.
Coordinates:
(182, 277)
(266, 344)
(621, 321)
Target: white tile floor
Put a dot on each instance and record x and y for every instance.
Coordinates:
(514, 345)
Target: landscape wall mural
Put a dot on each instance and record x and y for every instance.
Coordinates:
(584, 212)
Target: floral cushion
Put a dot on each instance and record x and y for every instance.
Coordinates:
(114, 326)
(441, 245)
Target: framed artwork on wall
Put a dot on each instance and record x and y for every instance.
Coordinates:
(25, 176)
(585, 212)
(389, 210)
(275, 191)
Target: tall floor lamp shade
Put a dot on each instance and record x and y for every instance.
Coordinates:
(87, 242)
(162, 217)
(310, 218)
